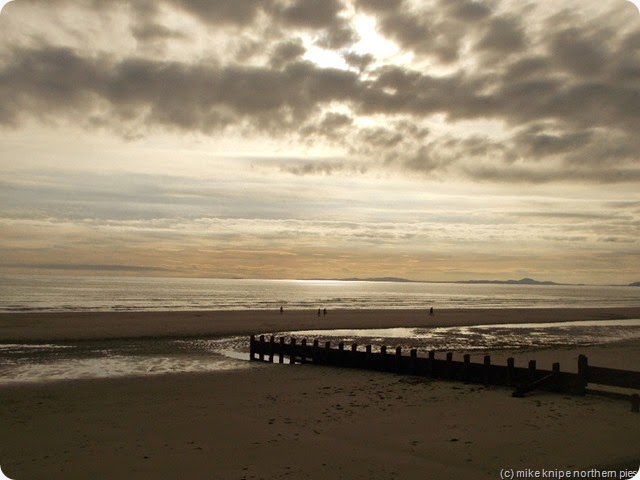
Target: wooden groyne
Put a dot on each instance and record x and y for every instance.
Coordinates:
(521, 380)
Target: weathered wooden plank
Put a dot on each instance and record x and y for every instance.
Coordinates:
(548, 381)
(613, 377)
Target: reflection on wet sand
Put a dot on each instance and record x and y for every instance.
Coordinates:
(33, 362)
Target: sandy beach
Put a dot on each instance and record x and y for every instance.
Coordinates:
(304, 421)
(103, 325)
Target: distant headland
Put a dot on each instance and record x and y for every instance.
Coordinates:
(522, 281)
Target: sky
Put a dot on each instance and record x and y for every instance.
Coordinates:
(435, 140)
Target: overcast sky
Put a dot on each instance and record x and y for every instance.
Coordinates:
(434, 139)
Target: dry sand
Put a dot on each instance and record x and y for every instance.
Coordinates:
(302, 421)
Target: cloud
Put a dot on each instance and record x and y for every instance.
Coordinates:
(359, 61)
(222, 11)
(321, 167)
(555, 87)
(310, 13)
(61, 83)
(90, 267)
(287, 52)
(503, 35)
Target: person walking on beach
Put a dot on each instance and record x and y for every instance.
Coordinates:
(324, 312)
(281, 310)
(431, 311)
(318, 312)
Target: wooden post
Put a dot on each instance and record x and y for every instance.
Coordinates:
(466, 372)
(431, 366)
(281, 352)
(486, 370)
(327, 353)
(292, 352)
(511, 371)
(261, 352)
(272, 341)
(556, 373)
(354, 355)
(635, 403)
(303, 348)
(316, 349)
(252, 348)
(341, 354)
(398, 360)
(449, 367)
(367, 350)
(414, 361)
(583, 373)
(383, 358)
(532, 369)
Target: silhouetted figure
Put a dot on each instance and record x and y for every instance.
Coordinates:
(318, 312)
(431, 311)
(281, 310)
(324, 311)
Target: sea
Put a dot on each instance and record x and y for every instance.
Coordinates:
(24, 293)
(72, 361)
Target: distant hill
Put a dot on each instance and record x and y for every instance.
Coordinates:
(522, 281)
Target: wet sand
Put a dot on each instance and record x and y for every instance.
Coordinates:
(304, 421)
(101, 325)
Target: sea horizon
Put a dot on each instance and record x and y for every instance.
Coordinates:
(51, 293)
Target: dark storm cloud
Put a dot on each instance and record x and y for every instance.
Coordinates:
(146, 27)
(314, 15)
(538, 143)
(582, 53)
(311, 13)
(197, 97)
(424, 35)
(377, 6)
(468, 11)
(222, 11)
(402, 90)
(443, 30)
(359, 61)
(503, 35)
(331, 127)
(287, 52)
(337, 37)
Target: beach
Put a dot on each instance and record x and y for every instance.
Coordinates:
(304, 421)
(51, 326)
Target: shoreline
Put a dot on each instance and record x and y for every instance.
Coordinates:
(69, 326)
